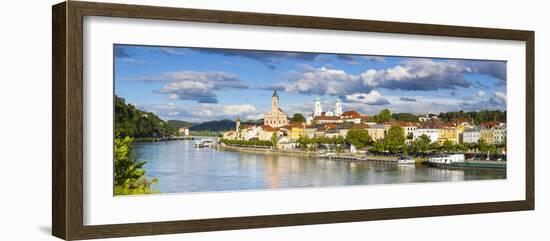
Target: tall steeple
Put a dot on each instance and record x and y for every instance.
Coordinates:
(238, 127)
(317, 109)
(275, 101)
(338, 107)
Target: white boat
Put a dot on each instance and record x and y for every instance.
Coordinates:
(199, 144)
(447, 159)
(205, 142)
(406, 161)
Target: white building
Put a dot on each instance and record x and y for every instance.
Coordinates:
(184, 131)
(470, 136)
(284, 142)
(317, 108)
(338, 107)
(250, 132)
(427, 117)
(329, 116)
(447, 159)
(351, 116)
(409, 128)
(431, 133)
(499, 136)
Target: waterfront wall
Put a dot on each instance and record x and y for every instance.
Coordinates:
(471, 165)
(266, 150)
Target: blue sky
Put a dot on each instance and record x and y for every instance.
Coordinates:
(202, 84)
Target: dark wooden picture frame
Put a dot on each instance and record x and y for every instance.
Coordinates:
(67, 123)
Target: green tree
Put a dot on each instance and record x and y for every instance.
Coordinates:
(274, 139)
(384, 115)
(358, 137)
(378, 146)
(462, 147)
(395, 139)
(298, 118)
(448, 146)
(323, 140)
(421, 144)
(373, 118)
(129, 173)
(405, 117)
(434, 146)
(253, 143)
(482, 146)
(303, 142)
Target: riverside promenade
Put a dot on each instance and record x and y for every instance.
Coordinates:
(349, 157)
(296, 152)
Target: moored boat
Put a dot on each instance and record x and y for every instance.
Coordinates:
(406, 160)
(205, 143)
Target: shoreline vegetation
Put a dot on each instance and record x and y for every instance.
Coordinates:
(130, 176)
(357, 157)
(263, 150)
(345, 157)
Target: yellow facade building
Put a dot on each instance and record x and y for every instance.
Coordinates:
(296, 130)
(486, 135)
(448, 134)
(377, 132)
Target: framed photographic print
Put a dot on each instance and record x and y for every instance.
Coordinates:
(213, 120)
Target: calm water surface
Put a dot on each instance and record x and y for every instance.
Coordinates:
(180, 167)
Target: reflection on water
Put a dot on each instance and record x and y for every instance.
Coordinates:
(180, 167)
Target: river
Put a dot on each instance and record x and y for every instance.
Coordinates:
(180, 167)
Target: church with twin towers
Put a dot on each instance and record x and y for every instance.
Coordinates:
(318, 110)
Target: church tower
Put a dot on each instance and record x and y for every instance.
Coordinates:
(238, 127)
(274, 102)
(317, 110)
(338, 107)
(277, 117)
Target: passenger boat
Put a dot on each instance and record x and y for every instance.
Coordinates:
(205, 143)
(406, 160)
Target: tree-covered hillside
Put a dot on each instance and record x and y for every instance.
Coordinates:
(221, 125)
(130, 121)
(477, 116)
(179, 124)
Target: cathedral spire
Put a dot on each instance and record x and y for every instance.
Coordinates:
(338, 107)
(317, 110)
(275, 94)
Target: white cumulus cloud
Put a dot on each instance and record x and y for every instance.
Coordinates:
(372, 98)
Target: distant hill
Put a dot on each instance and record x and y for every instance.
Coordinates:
(179, 124)
(221, 125)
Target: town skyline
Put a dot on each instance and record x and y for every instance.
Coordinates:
(197, 84)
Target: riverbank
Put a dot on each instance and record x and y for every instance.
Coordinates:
(471, 165)
(341, 156)
(259, 150)
(349, 157)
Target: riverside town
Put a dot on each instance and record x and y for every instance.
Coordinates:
(348, 135)
(207, 120)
